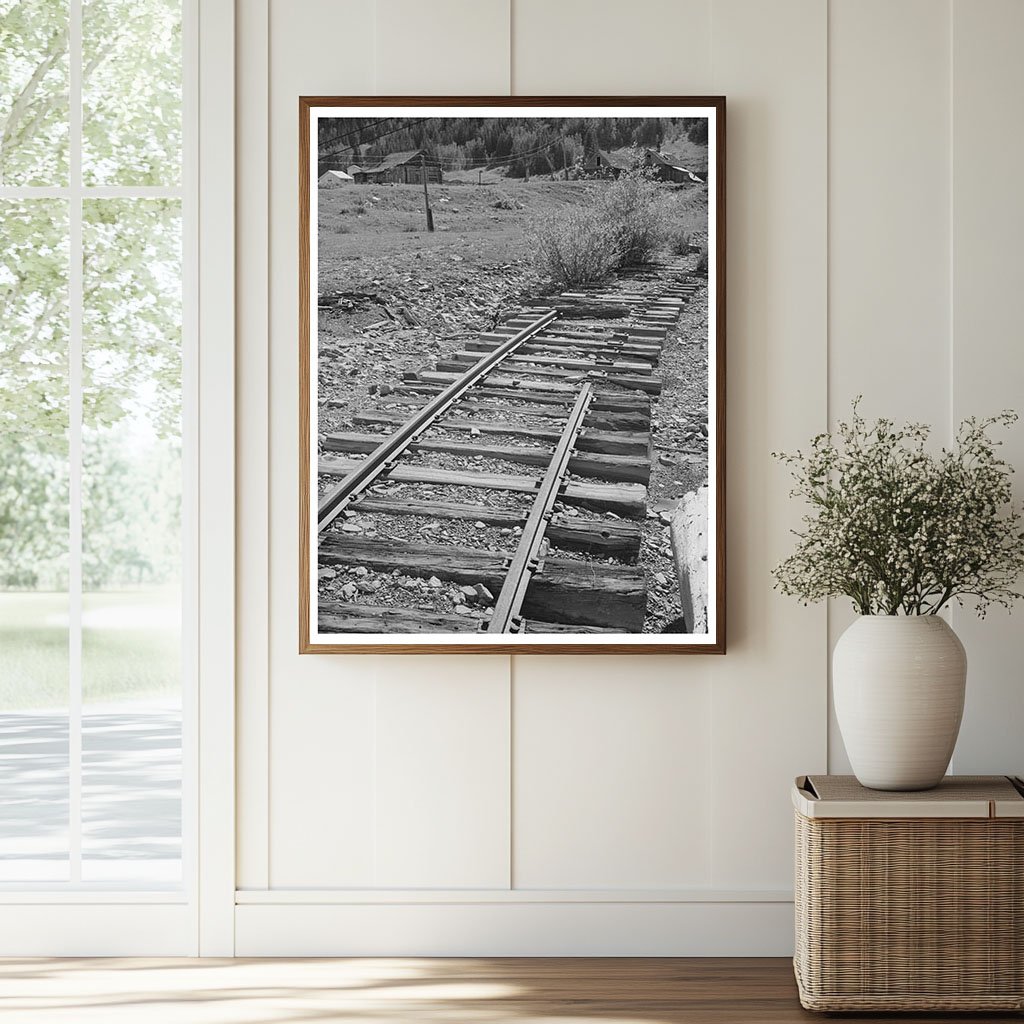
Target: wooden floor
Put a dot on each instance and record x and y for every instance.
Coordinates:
(382, 991)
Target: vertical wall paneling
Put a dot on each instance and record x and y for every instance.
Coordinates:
(574, 47)
(889, 212)
(442, 48)
(252, 310)
(889, 247)
(321, 708)
(442, 774)
(323, 760)
(987, 367)
(769, 692)
(611, 781)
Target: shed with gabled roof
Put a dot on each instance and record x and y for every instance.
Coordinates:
(607, 164)
(331, 179)
(665, 169)
(401, 168)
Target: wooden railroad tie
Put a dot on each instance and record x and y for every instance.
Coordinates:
(638, 420)
(618, 442)
(606, 539)
(626, 500)
(369, 618)
(622, 468)
(632, 331)
(565, 362)
(532, 391)
(652, 385)
(567, 591)
(557, 344)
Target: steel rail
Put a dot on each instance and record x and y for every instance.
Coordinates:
(526, 560)
(383, 457)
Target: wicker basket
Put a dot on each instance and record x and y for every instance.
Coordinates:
(910, 901)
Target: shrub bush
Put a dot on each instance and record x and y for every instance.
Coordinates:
(629, 206)
(628, 222)
(702, 261)
(573, 249)
(685, 222)
(678, 238)
(506, 202)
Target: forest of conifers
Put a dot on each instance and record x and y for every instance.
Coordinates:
(534, 145)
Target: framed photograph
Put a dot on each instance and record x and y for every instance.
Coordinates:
(512, 375)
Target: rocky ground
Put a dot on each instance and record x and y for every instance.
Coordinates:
(680, 454)
(387, 307)
(397, 314)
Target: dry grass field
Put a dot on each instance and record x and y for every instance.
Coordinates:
(360, 222)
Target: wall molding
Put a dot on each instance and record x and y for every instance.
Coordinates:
(363, 897)
(216, 471)
(252, 312)
(104, 927)
(516, 928)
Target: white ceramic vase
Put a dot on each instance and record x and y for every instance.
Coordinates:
(898, 684)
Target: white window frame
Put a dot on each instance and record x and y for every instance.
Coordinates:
(73, 918)
(216, 395)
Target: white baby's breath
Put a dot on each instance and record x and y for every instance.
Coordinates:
(897, 529)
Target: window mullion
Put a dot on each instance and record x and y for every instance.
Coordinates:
(94, 191)
(75, 338)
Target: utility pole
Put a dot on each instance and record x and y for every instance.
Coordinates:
(480, 176)
(426, 197)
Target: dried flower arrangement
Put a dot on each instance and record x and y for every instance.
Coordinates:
(900, 530)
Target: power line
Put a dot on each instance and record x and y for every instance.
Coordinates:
(490, 163)
(505, 161)
(485, 162)
(384, 135)
(345, 135)
(436, 162)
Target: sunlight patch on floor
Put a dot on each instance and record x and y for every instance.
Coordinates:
(147, 991)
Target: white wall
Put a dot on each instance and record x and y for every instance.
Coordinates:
(626, 805)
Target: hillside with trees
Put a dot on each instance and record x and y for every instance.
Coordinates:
(518, 146)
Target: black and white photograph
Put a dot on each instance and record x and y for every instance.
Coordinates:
(511, 391)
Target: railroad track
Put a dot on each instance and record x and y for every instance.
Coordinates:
(518, 463)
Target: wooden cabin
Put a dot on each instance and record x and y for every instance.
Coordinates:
(665, 170)
(607, 165)
(400, 169)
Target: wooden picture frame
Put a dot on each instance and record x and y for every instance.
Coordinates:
(632, 321)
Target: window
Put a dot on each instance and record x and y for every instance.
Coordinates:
(95, 464)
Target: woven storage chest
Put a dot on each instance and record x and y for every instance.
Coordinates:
(910, 901)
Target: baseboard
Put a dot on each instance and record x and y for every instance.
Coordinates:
(96, 929)
(514, 928)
